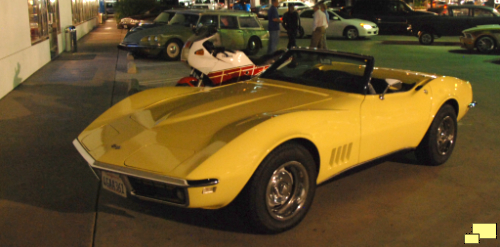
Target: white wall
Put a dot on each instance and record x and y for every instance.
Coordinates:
(19, 59)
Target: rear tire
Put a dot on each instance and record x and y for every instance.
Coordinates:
(281, 191)
(426, 38)
(253, 46)
(172, 50)
(439, 141)
(485, 44)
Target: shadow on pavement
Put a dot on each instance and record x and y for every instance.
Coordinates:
(436, 43)
(473, 52)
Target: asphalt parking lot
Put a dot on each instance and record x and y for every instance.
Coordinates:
(49, 197)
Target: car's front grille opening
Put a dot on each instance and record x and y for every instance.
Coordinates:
(158, 190)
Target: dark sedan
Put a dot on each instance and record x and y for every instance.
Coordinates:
(451, 21)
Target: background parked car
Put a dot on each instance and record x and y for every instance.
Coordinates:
(283, 7)
(390, 15)
(334, 4)
(452, 21)
(239, 30)
(485, 38)
(161, 19)
(133, 21)
(340, 25)
(165, 40)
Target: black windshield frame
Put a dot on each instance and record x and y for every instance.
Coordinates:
(368, 61)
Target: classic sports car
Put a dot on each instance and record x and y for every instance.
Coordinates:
(485, 38)
(271, 140)
(164, 40)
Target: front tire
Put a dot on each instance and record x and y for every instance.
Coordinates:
(439, 141)
(172, 50)
(426, 38)
(282, 189)
(351, 33)
(485, 44)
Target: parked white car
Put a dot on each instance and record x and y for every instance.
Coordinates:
(339, 25)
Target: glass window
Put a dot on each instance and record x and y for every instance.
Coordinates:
(207, 20)
(228, 22)
(184, 19)
(460, 12)
(53, 15)
(84, 10)
(39, 27)
(248, 22)
(164, 17)
(482, 13)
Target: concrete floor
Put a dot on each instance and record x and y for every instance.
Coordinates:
(49, 197)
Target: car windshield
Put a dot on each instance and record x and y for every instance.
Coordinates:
(184, 19)
(328, 70)
(164, 17)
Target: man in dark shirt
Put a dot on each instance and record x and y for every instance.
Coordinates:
(291, 22)
(273, 27)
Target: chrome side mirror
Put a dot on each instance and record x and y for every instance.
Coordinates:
(393, 85)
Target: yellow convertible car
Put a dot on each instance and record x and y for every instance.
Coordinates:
(271, 140)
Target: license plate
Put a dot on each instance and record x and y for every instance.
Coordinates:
(114, 183)
(125, 26)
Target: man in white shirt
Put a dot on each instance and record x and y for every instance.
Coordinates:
(319, 28)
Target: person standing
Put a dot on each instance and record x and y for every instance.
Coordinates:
(273, 27)
(319, 28)
(291, 23)
(323, 8)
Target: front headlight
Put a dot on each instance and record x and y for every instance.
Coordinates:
(366, 26)
(468, 35)
(134, 21)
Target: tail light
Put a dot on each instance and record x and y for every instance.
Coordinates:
(199, 52)
(188, 44)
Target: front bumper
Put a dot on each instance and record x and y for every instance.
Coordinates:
(149, 186)
(467, 43)
(368, 32)
(149, 49)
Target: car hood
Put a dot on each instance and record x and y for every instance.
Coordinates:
(136, 35)
(483, 28)
(161, 136)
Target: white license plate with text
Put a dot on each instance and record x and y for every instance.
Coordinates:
(114, 183)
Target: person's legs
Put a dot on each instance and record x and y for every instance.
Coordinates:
(273, 41)
(292, 40)
(324, 46)
(316, 38)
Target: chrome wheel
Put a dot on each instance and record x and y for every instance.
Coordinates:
(438, 143)
(485, 44)
(172, 50)
(352, 33)
(287, 190)
(445, 135)
(426, 38)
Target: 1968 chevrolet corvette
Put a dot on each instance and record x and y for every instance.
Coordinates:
(271, 140)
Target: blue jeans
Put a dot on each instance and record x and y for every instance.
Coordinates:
(274, 37)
